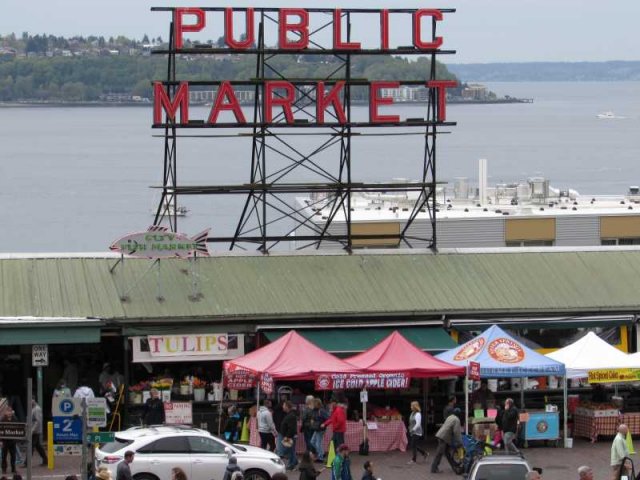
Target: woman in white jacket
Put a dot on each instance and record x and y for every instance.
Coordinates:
(415, 431)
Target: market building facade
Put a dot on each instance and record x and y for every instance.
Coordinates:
(103, 317)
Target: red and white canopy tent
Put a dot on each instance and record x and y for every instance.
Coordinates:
(397, 354)
(291, 357)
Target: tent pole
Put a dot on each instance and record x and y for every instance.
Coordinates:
(566, 410)
(257, 409)
(221, 400)
(524, 379)
(466, 400)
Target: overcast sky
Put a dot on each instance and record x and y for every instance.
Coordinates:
(480, 30)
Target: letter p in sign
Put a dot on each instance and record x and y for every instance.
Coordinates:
(66, 406)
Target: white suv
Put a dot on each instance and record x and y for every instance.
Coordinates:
(499, 467)
(201, 455)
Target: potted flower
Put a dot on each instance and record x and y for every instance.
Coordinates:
(135, 394)
(198, 389)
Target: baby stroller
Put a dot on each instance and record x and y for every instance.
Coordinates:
(472, 450)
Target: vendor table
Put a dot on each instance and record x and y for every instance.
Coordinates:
(591, 427)
(388, 436)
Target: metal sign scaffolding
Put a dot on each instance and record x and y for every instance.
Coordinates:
(281, 169)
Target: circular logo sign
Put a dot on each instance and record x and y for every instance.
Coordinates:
(66, 406)
(323, 382)
(542, 426)
(469, 349)
(505, 350)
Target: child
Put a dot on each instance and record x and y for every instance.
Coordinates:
(368, 471)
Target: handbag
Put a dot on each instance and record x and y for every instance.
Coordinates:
(287, 442)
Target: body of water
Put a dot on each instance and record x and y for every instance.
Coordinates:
(75, 179)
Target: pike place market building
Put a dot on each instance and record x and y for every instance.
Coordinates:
(185, 317)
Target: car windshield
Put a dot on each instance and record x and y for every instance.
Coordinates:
(501, 472)
(117, 444)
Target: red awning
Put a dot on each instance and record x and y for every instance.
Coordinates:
(396, 354)
(291, 357)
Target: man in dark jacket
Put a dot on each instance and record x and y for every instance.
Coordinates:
(9, 446)
(153, 409)
(449, 436)
(509, 424)
(289, 432)
(124, 472)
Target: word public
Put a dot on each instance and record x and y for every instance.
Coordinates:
(296, 21)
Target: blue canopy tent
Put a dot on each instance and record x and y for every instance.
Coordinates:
(502, 356)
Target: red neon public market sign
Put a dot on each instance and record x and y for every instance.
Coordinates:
(293, 36)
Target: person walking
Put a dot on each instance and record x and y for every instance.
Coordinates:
(449, 436)
(8, 446)
(153, 412)
(338, 423)
(84, 391)
(232, 468)
(289, 432)
(104, 474)
(307, 469)
(36, 431)
(266, 426)
(308, 426)
(533, 475)
(509, 425)
(585, 472)
(619, 450)
(415, 431)
(178, 474)
(627, 470)
(233, 425)
(320, 415)
(449, 407)
(341, 467)
(368, 471)
(123, 472)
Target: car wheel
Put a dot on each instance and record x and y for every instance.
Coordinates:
(144, 476)
(256, 475)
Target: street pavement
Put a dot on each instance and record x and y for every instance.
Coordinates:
(558, 464)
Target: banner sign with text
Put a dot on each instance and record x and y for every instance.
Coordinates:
(240, 380)
(178, 413)
(188, 347)
(370, 381)
(474, 371)
(614, 375)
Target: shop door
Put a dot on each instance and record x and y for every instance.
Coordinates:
(208, 458)
(159, 457)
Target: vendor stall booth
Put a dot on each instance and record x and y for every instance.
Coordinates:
(290, 358)
(594, 359)
(501, 356)
(395, 355)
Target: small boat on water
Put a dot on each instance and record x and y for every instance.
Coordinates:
(168, 210)
(608, 116)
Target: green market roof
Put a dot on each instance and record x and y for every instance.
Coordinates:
(305, 286)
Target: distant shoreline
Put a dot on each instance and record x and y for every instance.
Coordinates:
(143, 104)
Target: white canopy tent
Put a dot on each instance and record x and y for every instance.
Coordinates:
(592, 353)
